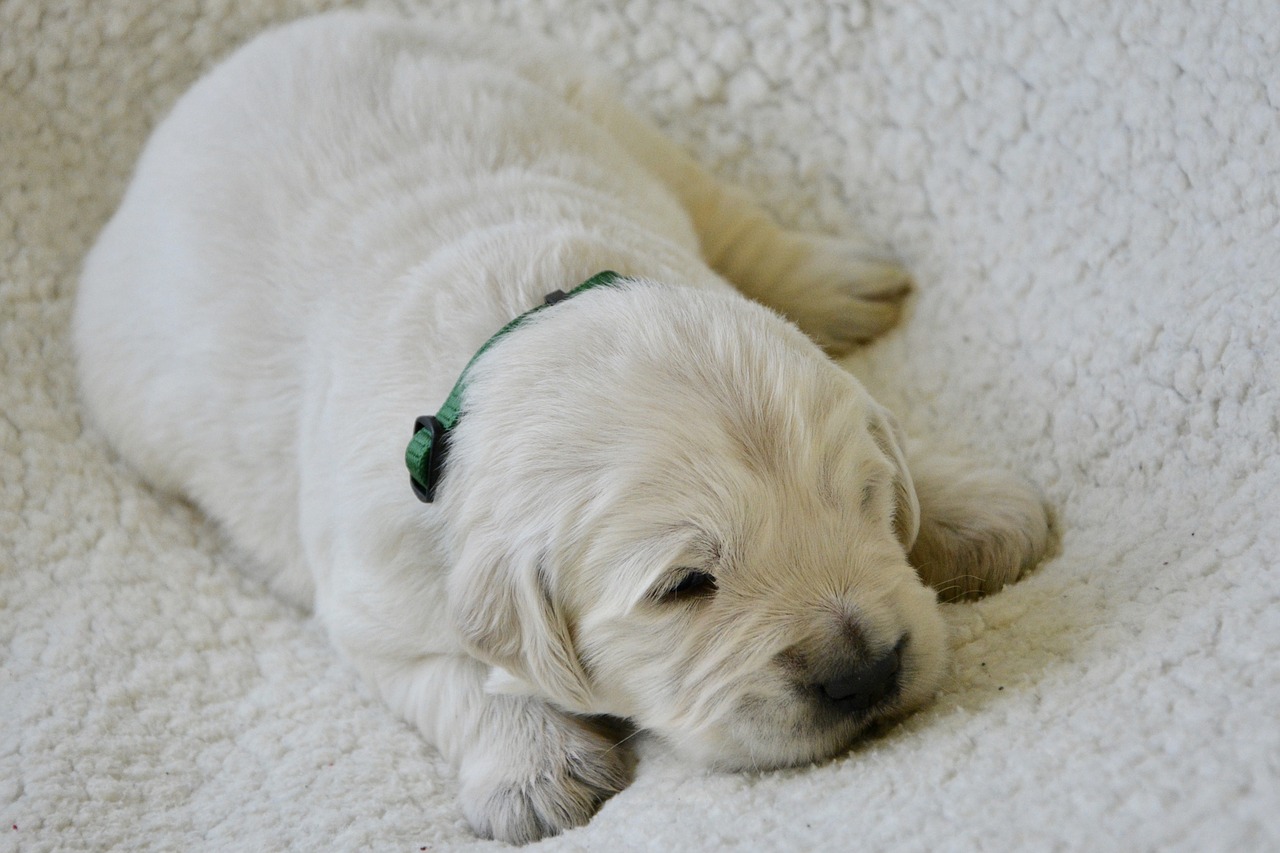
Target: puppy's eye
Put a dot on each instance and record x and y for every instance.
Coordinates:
(692, 585)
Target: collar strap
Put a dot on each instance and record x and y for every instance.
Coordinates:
(427, 450)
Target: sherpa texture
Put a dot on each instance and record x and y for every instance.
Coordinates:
(1087, 193)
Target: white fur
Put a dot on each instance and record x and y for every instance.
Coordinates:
(317, 240)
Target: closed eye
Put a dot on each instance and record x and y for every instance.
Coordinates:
(691, 586)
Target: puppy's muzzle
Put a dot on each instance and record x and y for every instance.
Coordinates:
(856, 688)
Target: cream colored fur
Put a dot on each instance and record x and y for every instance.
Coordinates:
(316, 241)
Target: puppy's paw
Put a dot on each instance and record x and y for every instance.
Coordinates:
(845, 292)
(980, 528)
(538, 772)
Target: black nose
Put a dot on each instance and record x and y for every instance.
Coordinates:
(866, 684)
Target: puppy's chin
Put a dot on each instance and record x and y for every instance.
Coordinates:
(762, 734)
(757, 738)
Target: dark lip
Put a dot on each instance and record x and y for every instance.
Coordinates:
(828, 716)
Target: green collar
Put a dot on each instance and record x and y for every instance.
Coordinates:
(426, 452)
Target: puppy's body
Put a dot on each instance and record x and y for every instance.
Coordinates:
(319, 238)
(362, 204)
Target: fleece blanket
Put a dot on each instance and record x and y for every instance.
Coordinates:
(1086, 193)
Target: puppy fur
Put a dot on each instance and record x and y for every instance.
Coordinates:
(316, 241)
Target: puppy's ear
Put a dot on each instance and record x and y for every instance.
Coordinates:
(889, 438)
(505, 612)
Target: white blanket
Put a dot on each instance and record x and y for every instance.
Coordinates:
(1087, 193)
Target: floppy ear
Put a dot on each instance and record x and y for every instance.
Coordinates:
(889, 438)
(504, 609)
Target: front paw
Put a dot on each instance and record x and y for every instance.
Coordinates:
(980, 528)
(851, 294)
(540, 772)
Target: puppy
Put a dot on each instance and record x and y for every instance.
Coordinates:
(661, 503)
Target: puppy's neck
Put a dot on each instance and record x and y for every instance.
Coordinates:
(427, 450)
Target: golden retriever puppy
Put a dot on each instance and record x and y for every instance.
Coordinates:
(657, 500)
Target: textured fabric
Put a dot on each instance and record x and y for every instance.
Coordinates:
(1087, 194)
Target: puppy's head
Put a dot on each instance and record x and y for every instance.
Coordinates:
(670, 506)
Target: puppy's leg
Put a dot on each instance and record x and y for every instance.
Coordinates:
(526, 769)
(840, 291)
(980, 528)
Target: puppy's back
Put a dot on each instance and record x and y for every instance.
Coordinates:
(271, 234)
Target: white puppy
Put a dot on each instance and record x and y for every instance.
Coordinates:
(662, 503)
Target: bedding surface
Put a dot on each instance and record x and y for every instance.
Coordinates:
(1087, 194)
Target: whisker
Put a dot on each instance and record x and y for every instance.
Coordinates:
(624, 740)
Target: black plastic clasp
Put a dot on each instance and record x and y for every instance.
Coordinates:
(436, 452)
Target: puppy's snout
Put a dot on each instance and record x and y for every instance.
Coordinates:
(858, 687)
